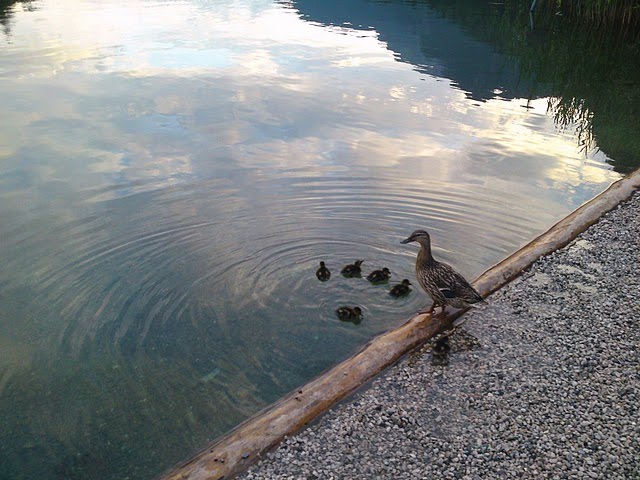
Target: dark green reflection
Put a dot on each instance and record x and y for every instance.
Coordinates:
(591, 76)
(6, 12)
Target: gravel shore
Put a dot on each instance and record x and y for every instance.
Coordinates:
(543, 383)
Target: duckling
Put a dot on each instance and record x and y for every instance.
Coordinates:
(441, 347)
(379, 276)
(440, 352)
(352, 270)
(323, 273)
(401, 289)
(440, 281)
(349, 314)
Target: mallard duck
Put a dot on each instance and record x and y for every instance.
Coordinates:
(401, 289)
(349, 314)
(441, 282)
(379, 276)
(323, 273)
(352, 270)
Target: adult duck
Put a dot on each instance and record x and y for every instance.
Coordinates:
(440, 281)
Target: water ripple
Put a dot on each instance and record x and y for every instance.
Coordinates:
(256, 251)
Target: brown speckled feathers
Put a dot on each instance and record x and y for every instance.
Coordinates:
(439, 280)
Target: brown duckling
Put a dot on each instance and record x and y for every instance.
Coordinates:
(349, 314)
(323, 273)
(379, 276)
(353, 270)
(440, 352)
(401, 289)
(441, 282)
(441, 347)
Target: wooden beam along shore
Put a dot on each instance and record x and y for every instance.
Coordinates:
(241, 447)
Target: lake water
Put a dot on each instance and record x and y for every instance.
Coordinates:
(172, 172)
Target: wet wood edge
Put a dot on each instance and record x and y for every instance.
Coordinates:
(244, 445)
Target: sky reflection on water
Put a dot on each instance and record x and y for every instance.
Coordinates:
(171, 174)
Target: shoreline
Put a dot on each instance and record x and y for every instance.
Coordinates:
(250, 441)
(543, 383)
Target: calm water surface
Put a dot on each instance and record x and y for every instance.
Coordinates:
(172, 172)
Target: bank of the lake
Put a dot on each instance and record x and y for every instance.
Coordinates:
(544, 383)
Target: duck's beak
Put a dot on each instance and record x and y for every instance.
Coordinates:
(407, 240)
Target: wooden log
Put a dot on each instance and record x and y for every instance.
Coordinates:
(558, 235)
(242, 446)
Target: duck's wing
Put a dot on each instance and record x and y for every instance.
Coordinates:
(453, 285)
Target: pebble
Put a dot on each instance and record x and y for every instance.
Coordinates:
(543, 383)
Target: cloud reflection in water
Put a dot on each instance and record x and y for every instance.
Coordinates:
(171, 174)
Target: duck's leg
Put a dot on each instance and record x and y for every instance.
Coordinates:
(436, 305)
(441, 305)
(429, 310)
